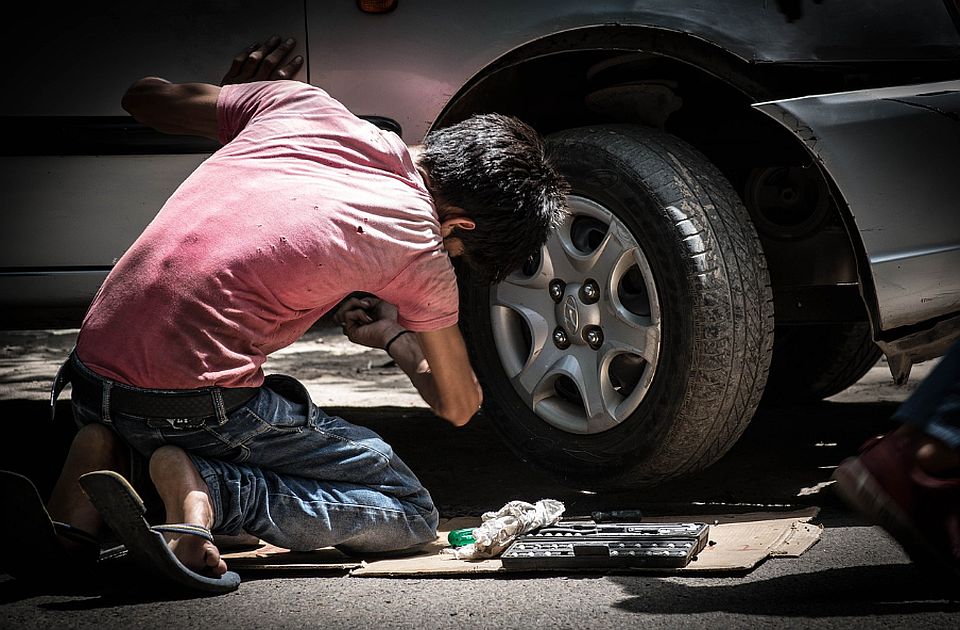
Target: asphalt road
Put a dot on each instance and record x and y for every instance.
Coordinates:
(854, 577)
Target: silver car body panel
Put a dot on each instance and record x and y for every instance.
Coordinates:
(67, 197)
(880, 148)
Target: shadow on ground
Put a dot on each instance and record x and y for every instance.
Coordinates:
(784, 460)
(859, 591)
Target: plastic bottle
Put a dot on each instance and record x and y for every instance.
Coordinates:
(461, 537)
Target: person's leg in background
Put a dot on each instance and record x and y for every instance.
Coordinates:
(932, 416)
(909, 480)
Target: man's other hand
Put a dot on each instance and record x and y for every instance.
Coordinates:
(264, 62)
(368, 321)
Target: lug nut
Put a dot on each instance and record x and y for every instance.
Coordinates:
(557, 287)
(593, 336)
(590, 292)
(560, 339)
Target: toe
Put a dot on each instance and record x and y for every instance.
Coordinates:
(213, 560)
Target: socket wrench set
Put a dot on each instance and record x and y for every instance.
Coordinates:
(591, 545)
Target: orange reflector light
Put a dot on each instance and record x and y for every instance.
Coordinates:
(377, 6)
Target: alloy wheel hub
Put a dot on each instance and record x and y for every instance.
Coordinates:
(578, 330)
(575, 317)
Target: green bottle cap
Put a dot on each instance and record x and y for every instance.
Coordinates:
(461, 537)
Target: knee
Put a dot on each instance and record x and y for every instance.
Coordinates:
(96, 438)
(166, 458)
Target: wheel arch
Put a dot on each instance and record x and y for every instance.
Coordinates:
(688, 48)
(548, 81)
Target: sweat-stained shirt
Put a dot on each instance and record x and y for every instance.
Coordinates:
(304, 204)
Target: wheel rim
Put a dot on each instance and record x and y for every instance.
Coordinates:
(578, 329)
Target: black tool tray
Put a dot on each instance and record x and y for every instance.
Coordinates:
(589, 545)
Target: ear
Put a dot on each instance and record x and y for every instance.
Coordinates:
(464, 223)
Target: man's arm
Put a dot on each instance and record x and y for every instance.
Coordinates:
(436, 362)
(438, 366)
(191, 108)
(176, 108)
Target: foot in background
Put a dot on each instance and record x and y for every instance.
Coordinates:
(909, 483)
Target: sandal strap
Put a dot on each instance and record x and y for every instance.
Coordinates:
(185, 528)
(75, 534)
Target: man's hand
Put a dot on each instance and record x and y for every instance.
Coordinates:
(369, 322)
(264, 62)
(436, 362)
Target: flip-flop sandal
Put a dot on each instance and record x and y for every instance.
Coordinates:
(123, 511)
(33, 549)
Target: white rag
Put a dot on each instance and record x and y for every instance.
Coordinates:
(500, 528)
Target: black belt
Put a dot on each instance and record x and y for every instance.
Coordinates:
(159, 403)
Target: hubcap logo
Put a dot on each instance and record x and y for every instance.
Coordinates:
(571, 317)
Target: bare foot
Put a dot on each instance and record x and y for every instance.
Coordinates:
(186, 500)
(197, 554)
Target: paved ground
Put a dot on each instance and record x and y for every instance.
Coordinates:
(855, 577)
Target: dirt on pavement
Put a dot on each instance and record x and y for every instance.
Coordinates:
(336, 371)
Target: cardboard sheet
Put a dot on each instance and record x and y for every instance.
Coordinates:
(738, 542)
(266, 557)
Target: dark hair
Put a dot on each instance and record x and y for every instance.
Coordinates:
(496, 169)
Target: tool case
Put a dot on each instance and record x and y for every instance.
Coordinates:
(591, 545)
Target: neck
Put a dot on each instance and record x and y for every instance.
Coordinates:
(416, 150)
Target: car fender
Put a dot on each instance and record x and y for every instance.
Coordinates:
(892, 157)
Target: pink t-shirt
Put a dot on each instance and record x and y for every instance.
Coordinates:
(304, 204)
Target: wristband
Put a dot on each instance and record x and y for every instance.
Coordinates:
(386, 347)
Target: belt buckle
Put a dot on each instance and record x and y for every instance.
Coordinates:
(186, 423)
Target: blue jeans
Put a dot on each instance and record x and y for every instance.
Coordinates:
(934, 407)
(281, 469)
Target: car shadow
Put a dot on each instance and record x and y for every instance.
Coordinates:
(856, 591)
(783, 460)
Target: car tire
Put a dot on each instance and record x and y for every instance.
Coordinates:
(683, 306)
(815, 361)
